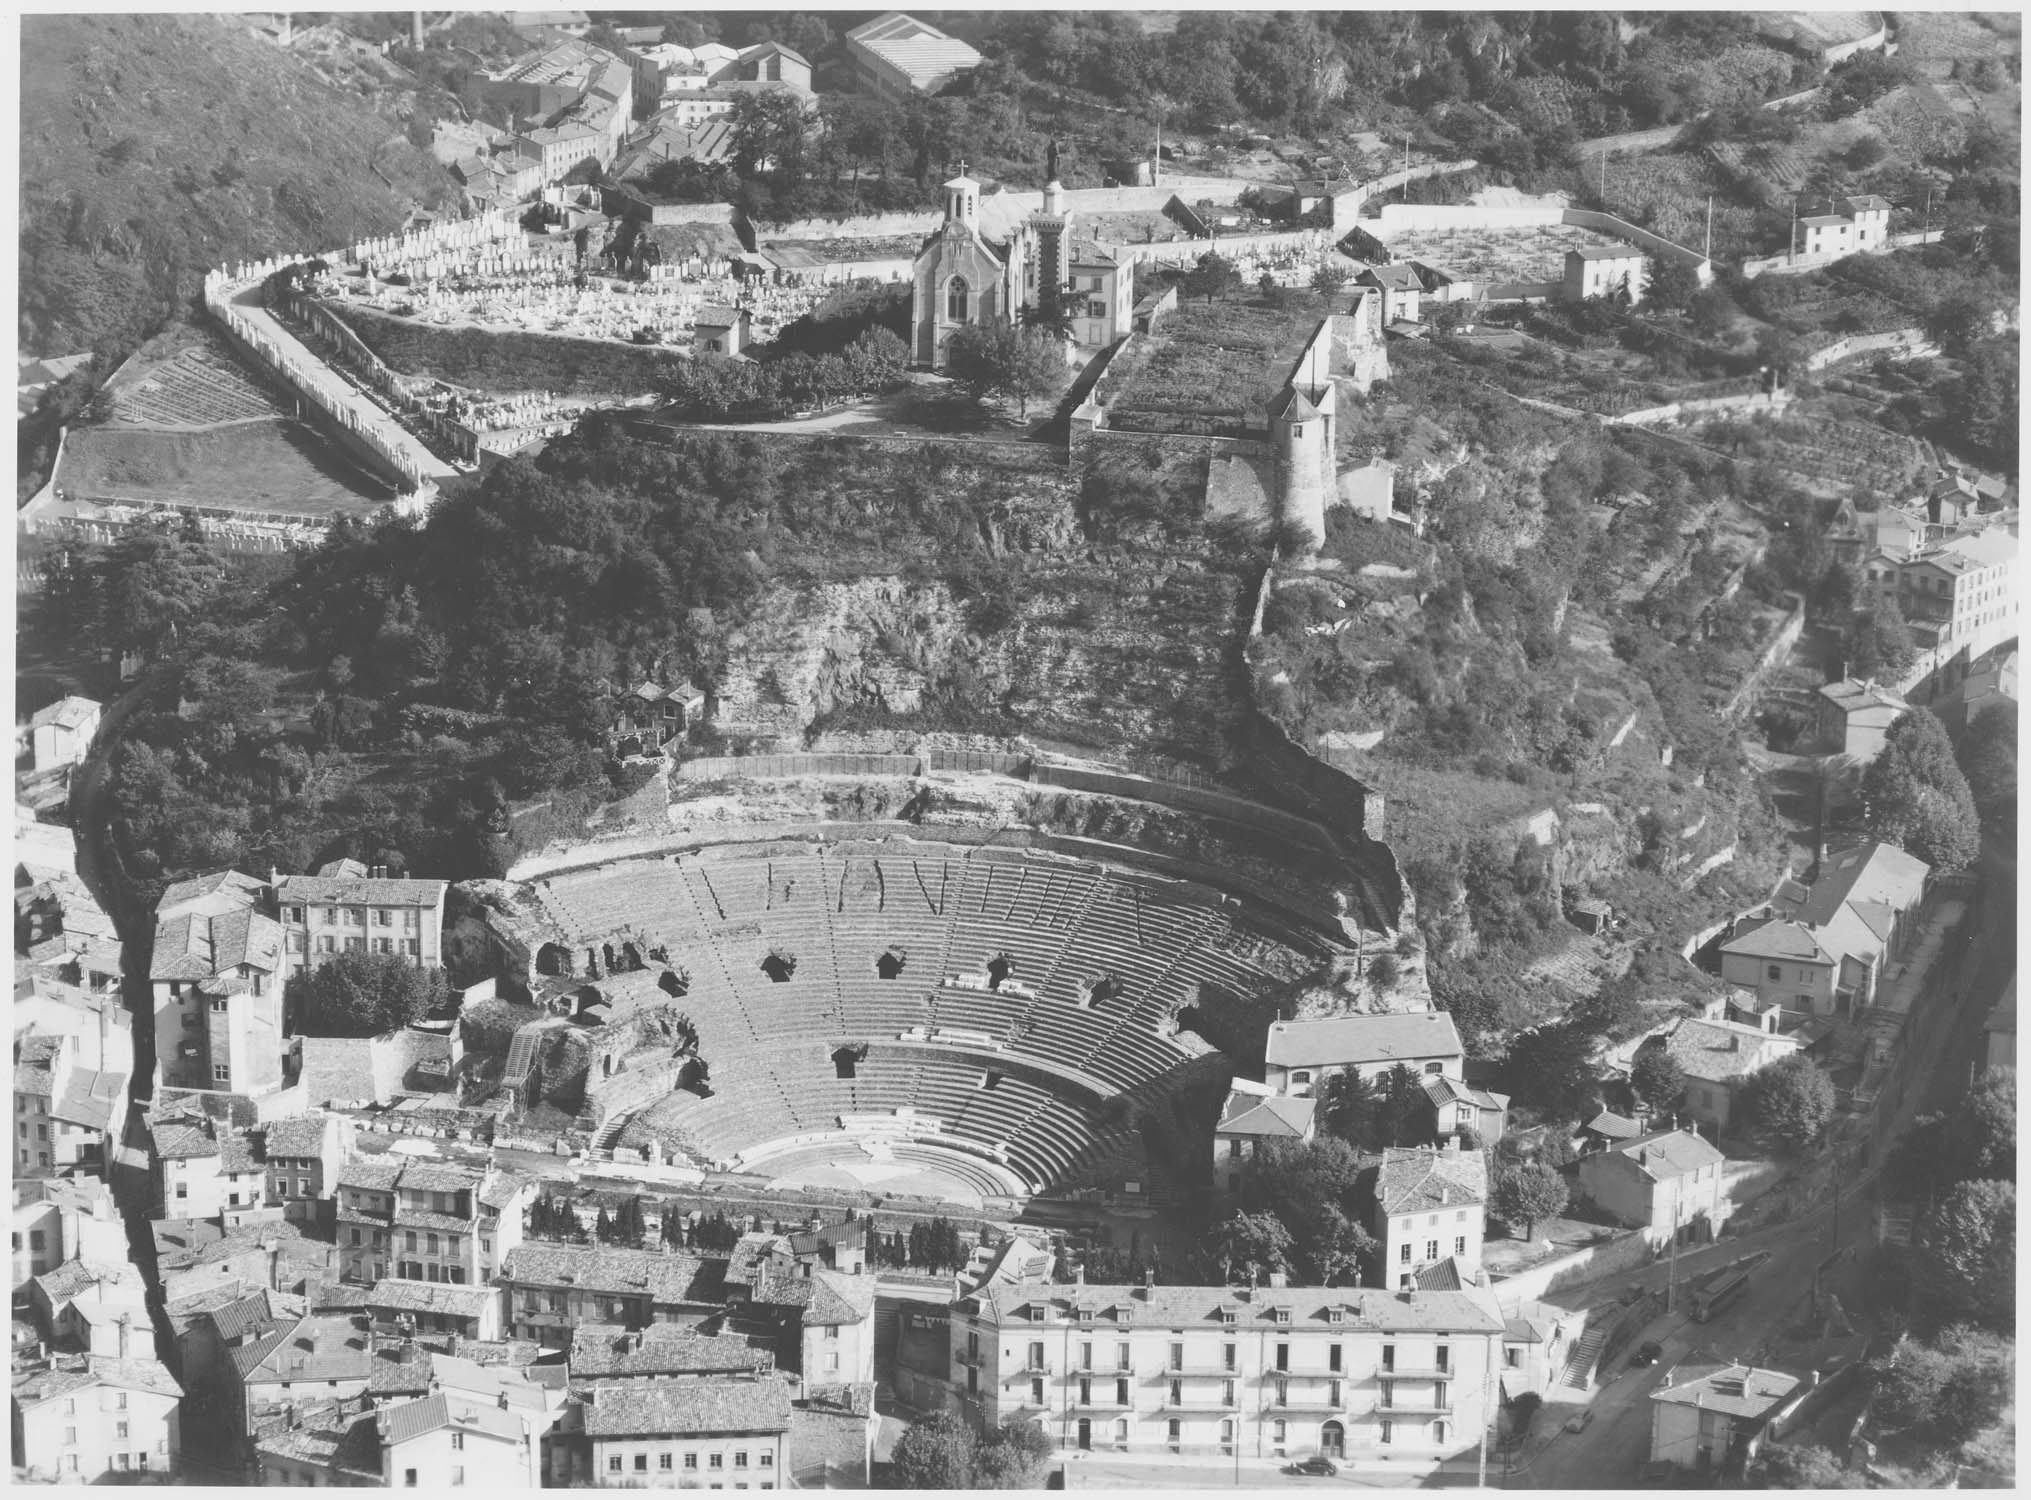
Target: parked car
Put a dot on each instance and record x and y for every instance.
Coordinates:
(1319, 1465)
(1578, 1421)
(1647, 1354)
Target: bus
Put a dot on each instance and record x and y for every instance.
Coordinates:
(1717, 1294)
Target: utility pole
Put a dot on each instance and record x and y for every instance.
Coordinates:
(1793, 256)
(1709, 251)
(1403, 188)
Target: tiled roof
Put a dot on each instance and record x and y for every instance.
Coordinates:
(71, 713)
(132, 1374)
(1614, 1126)
(1849, 696)
(338, 1067)
(323, 1347)
(826, 1298)
(1441, 1276)
(608, 1350)
(35, 1065)
(1363, 1039)
(1277, 1115)
(1766, 937)
(375, 1172)
(402, 1295)
(1669, 1153)
(74, 1278)
(219, 882)
(296, 1137)
(1362, 1309)
(1737, 1390)
(688, 1407)
(1866, 872)
(1723, 1051)
(245, 1315)
(334, 1435)
(318, 890)
(1443, 1089)
(830, 1427)
(662, 1276)
(1412, 1180)
(398, 1368)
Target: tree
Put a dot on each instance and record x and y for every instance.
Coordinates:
(1251, 1244)
(1915, 796)
(1528, 1192)
(1988, 759)
(1789, 1104)
(1348, 1106)
(1672, 283)
(363, 994)
(1945, 1392)
(1214, 275)
(999, 359)
(1966, 1245)
(1881, 644)
(1780, 1466)
(1329, 280)
(1012, 1457)
(938, 1454)
(1551, 1068)
(1328, 1247)
(1975, 1140)
(1657, 1078)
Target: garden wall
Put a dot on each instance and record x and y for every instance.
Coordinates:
(1780, 645)
(1799, 265)
(1346, 206)
(1656, 244)
(1620, 1253)
(493, 361)
(1908, 341)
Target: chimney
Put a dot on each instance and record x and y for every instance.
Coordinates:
(503, 1400)
(1079, 1276)
(1279, 1279)
(120, 1324)
(1643, 1156)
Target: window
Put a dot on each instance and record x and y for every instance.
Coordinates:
(663, 1460)
(120, 1431)
(1085, 1392)
(1096, 309)
(384, 918)
(183, 1190)
(1171, 1429)
(766, 1459)
(1283, 1393)
(1227, 1355)
(1283, 1356)
(1121, 1393)
(1037, 1356)
(1086, 1356)
(613, 1464)
(1177, 1356)
(1121, 1433)
(1445, 1356)
(957, 301)
(1439, 1396)
(1512, 1359)
(1277, 1431)
(1404, 1255)
(70, 1437)
(641, 1463)
(355, 945)
(1177, 1393)
(1226, 1393)
(1773, 972)
(1389, 1356)
(1459, 1244)
(411, 947)
(715, 1461)
(740, 1459)
(458, 1442)
(1036, 1392)
(221, 1072)
(409, 1476)
(1438, 1432)
(35, 1239)
(1121, 1357)
(1388, 1432)
(123, 1460)
(327, 944)
(458, 1474)
(1431, 1249)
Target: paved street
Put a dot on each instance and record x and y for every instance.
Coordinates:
(1610, 1451)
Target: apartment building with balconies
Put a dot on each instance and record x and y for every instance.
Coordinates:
(1265, 1373)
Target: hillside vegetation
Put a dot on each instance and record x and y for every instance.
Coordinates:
(161, 145)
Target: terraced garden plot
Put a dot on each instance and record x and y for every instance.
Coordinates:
(1778, 169)
(272, 466)
(1667, 192)
(195, 387)
(1219, 362)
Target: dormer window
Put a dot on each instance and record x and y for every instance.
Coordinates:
(1085, 1314)
(1227, 1315)
(1336, 1315)
(1281, 1314)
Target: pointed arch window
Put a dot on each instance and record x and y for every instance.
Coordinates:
(958, 299)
